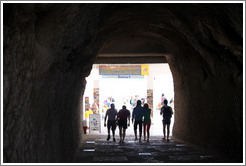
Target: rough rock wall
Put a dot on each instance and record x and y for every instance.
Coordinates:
(50, 48)
(46, 60)
(208, 77)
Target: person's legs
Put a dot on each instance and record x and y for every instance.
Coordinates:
(144, 126)
(108, 126)
(109, 131)
(168, 127)
(148, 127)
(113, 131)
(135, 130)
(124, 130)
(113, 135)
(120, 129)
(164, 131)
(140, 130)
(124, 134)
(120, 133)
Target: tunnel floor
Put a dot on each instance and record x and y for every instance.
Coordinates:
(96, 149)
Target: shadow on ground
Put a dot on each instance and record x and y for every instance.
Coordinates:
(96, 149)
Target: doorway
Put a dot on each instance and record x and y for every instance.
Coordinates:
(103, 89)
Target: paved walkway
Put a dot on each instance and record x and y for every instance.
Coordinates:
(96, 149)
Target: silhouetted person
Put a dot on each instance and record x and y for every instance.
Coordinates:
(166, 112)
(162, 99)
(137, 116)
(123, 116)
(146, 121)
(112, 115)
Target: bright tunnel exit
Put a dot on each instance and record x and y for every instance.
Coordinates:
(124, 84)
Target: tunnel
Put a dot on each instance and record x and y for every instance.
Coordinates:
(49, 50)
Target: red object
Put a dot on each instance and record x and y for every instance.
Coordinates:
(85, 128)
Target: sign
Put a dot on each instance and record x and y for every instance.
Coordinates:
(94, 122)
(119, 69)
(144, 69)
(126, 70)
(124, 76)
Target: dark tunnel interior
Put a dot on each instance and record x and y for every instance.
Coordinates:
(49, 49)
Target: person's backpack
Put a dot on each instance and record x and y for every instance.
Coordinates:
(167, 113)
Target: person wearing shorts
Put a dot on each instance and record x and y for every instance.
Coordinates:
(137, 117)
(146, 121)
(111, 114)
(166, 112)
(123, 116)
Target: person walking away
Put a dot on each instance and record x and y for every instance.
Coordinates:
(137, 116)
(123, 116)
(146, 121)
(166, 112)
(111, 114)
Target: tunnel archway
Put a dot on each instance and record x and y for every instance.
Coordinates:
(105, 87)
(58, 44)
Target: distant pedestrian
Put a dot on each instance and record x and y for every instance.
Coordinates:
(123, 116)
(112, 116)
(137, 116)
(162, 99)
(166, 112)
(146, 121)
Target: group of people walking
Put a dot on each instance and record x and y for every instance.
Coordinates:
(140, 118)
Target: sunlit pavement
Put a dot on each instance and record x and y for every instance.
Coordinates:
(96, 149)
